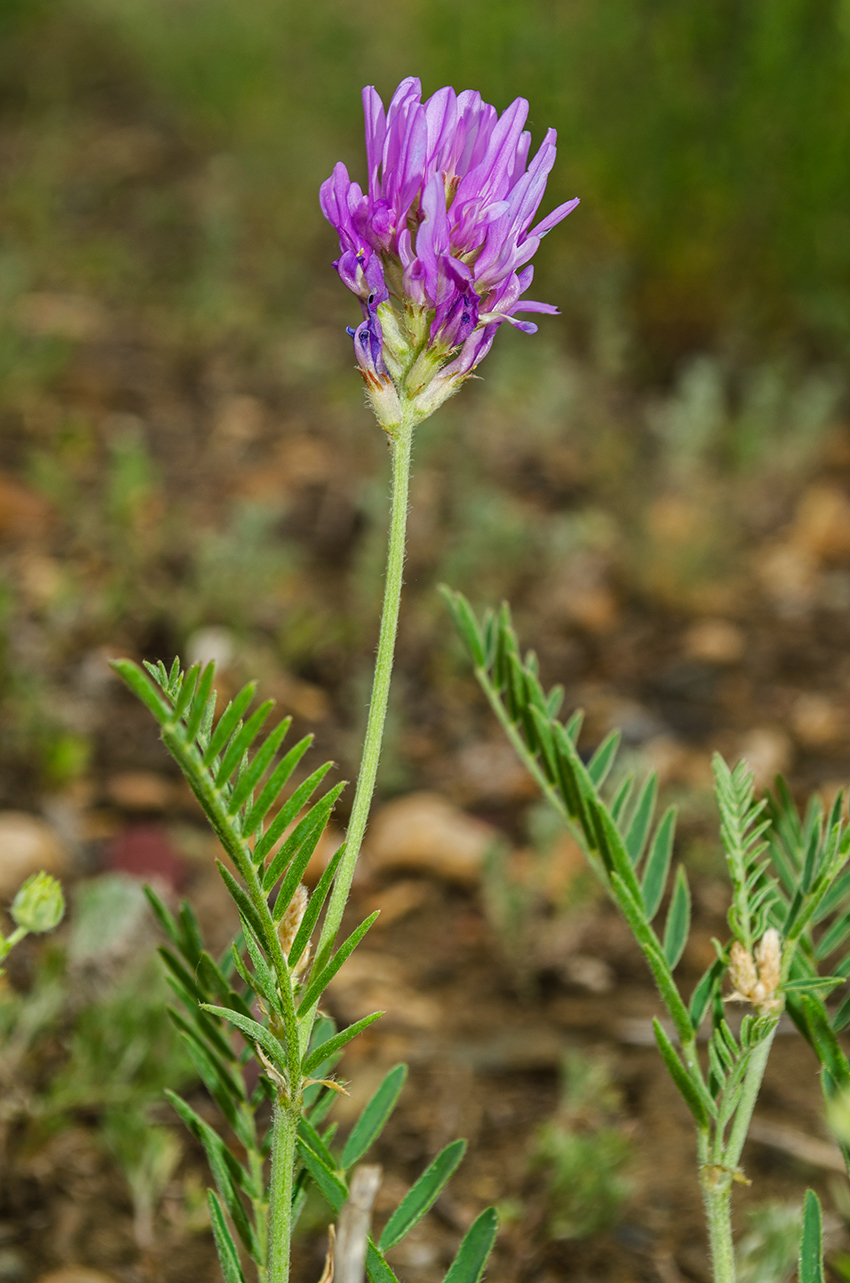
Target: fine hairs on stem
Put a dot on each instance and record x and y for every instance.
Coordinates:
(437, 251)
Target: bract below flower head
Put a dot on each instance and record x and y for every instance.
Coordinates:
(437, 248)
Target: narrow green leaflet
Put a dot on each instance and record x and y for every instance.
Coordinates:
(376, 1266)
(639, 825)
(327, 1049)
(373, 1119)
(680, 1076)
(317, 987)
(329, 1184)
(603, 759)
(225, 1169)
(421, 1197)
(811, 1243)
(228, 1257)
(253, 1032)
(468, 1265)
(658, 863)
(678, 922)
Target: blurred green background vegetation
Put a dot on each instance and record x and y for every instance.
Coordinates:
(709, 143)
(176, 384)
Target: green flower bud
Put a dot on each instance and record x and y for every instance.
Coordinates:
(39, 904)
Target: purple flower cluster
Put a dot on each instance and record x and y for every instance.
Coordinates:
(438, 248)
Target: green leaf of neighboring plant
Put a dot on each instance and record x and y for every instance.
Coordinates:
(678, 922)
(468, 1265)
(228, 1257)
(373, 1119)
(811, 1243)
(327, 1049)
(417, 1201)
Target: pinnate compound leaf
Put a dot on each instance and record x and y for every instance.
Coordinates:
(330, 1047)
(658, 863)
(678, 922)
(228, 1257)
(811, 1243)
(468, 1265)
(421, 1197)
(374, 1117)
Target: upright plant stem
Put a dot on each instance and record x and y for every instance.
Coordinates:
(284, 1131)
(401, 442)
(716, 1178)
(717, 1196)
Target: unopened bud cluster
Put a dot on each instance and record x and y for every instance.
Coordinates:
(756, 977)
(39, 904)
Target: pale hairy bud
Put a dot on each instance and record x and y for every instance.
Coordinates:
(291, 921)
(769, 962)
(742, 972)
(756, 980)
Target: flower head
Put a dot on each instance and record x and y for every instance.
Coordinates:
(438, 247)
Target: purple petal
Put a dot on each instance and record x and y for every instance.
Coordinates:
(553, 219)
(376, 129)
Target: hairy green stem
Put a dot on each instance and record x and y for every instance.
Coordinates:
(401, 439)
(716, 1178)
(717, 1197)
(284, 1132)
